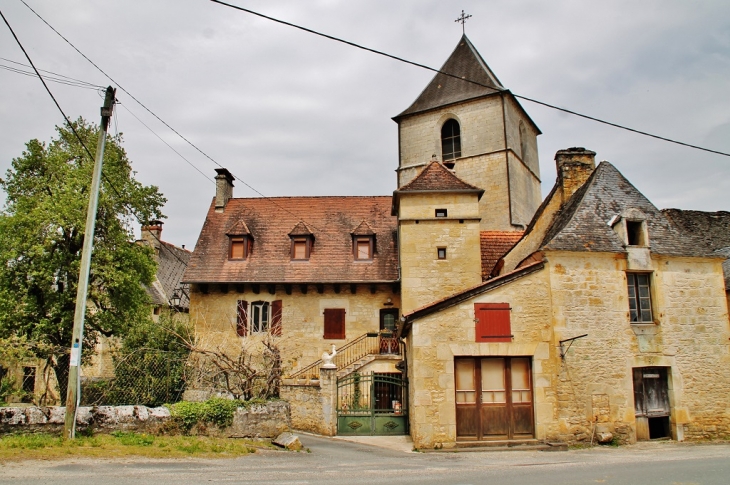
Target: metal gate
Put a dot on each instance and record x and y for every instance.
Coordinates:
(372, 404)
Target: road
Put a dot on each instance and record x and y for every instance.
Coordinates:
(334, 461)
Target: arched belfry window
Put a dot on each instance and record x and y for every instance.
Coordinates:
(451, 140)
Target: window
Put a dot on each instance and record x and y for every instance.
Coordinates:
(639, 287)
(441, 253)
(441, 212)
(29, 379)
(635, 233)
(334, 323)
(239, 247)
(450, 140)
(363, 248)
(264, 317)
(301, 247)
(492, 322)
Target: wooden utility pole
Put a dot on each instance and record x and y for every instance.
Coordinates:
(74, 379)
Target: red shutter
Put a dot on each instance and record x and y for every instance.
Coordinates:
(242, 318)
(276, 318)
(493, 322)
(334, 323)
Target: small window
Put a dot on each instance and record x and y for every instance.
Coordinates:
(363, 248)
(259, 317)
(301, 248)
(441, 253)
(451, 140)
(239, 247)
(334, 323)
(441, 212)
(635, 233)
(492, 322)
(639, 288)
(29, 379)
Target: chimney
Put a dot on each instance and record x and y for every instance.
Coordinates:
(152, 235)
(223, 188)
(574, 166)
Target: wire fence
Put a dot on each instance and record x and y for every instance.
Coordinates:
(143, 377)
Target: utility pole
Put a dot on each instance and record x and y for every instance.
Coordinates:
(74, 378)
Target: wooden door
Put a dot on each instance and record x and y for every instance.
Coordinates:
(493, 398)
(651, 402)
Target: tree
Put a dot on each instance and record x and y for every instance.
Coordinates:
(42, 235)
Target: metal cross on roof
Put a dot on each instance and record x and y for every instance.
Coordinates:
(462, 21)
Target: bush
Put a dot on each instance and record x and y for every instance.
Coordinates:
(215, 411)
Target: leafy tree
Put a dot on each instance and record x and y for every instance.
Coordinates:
(42, 235)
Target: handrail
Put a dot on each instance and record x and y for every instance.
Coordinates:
(366, 344)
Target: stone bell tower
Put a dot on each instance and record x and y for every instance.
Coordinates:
(473, 125)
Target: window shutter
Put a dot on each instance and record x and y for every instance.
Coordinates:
(242, 318)
(492, 322)
(276, 318)
(334, 323)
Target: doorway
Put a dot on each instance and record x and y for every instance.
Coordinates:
(494, 398)
(651, 403)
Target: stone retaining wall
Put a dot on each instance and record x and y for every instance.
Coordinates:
(259, 420)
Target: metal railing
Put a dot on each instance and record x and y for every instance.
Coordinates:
(371, 343)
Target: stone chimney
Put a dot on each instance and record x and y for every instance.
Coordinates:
(574, 166)
(152, 235)
(223, 188)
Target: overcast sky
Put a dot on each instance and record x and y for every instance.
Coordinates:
(290, 113)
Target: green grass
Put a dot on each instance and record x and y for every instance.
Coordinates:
(119, 444)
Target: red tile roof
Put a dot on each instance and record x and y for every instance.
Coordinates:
(436, 177)
(494, 245)
(270, 221)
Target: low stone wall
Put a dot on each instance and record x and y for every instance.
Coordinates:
(257, 421)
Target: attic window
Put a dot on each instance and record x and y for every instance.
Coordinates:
(635, 233)
(441, 212)
(441, 253)
(301, 248)
(363, 248)
(451, 140)
(239, 247)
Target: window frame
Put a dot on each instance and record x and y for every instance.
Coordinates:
(450, 140)
(260, 317)
(307, 247)
(635, 288)
(441, 213)
(356, 241)
(441, 253)
(245, 241)
(636, 233)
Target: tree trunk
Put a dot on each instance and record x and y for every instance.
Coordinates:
(61, 370)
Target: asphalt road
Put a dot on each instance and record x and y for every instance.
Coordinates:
(335, 461)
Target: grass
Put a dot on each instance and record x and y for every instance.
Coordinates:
(120, 444)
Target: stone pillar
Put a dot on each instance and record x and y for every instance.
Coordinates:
(328, 398)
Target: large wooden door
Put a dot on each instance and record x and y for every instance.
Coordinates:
(651, 403)
(493, 398)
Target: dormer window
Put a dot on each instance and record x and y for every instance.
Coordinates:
(239, 247)
(635, 233)
(300, 248)
(450, 140)
(363, 248)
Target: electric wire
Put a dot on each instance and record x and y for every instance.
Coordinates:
(78, 137)
(423, 66)
(49, 78)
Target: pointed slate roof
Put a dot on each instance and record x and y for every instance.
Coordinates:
(437, 178)
(464, 63)
(583, 223)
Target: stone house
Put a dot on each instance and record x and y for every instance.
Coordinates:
(591, 314)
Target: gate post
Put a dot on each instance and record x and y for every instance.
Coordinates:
(328, 398)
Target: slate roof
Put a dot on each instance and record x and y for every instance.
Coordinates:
(494, 245)
(170, 269)
(582, 224)
(465, 63)
(331, 220)
(712, 228)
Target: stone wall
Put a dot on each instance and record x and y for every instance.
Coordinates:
(260, 420)
(314, 403)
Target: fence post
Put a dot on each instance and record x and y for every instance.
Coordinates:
(328, 398)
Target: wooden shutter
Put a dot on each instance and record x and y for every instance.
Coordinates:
(276, 318)
(492, 322)
(334, 323)
(242, 318)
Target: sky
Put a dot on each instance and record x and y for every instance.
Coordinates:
(290, 113)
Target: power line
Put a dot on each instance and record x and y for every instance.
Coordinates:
(279, 206)
(423, 66)
(69, 78)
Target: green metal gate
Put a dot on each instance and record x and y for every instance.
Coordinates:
(372, 404)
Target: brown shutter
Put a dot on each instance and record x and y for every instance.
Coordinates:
(276, 318)
(334, 323)
(493, 322)
(242, 318)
